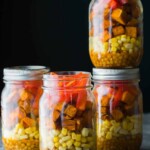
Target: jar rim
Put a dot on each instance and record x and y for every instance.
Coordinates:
(61, 74)
(30, 72)
(67, 79)
(116, 74)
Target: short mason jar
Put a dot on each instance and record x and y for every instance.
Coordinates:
(20, 107)
(67, 112)
(119, 109)
(116, 33)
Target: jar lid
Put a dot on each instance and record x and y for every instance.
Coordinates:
(24, 72)
(116, 74)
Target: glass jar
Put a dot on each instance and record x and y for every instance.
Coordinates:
(119, 109)
(66, 112)
(116, 33)
(20, 107)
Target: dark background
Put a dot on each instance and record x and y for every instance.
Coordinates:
(55, 33)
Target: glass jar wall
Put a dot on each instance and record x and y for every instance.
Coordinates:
(119, 109)
(116, 33)
(66, 112)
(20, 107)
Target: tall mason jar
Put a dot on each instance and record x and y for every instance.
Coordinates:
(116, 33)
(67, 112)
(119, 109)
(20, 107)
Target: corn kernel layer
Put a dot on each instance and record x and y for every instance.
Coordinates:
(120, 135)
(21, 138)
(121, 51)
(66, 140)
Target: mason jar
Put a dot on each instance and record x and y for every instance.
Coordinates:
(116, 33)
(119, 109)
(67, 112)
(20, 107)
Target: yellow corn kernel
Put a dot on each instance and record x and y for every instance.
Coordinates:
(64, 131)
(66, 138)
(78, 137)
(21, 132)
(113, 122)
(123, 48)
(114, 49)
(85, 132)
(19, 126)
(56, 139)
(109, 136)
(133, 40)
(115, 44)
(36, 136)
(73, 136)
(69, 143)
(113, 40)
(62, 148)
(85, 145)
(123, 36)
(89, 139)
(111, 129)
(106, 124)
(64, 145)
(78, 148)
(130, 126)
(77, 144)
(125, 125)
(83, 140)
(57, 144)
(23, 137)
(28, 130)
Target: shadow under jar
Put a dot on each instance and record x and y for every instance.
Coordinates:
(66, 112)
(119, 109)
(116, 33)
(20, 107)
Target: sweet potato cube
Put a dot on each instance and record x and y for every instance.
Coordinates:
(25, 95)
(120, 16)
(131, 31)
(107, 23)
(104, 110)
(127, 98)
(28, 122)
(105, 101)
(59, 106)
(117, 114)
(66, 117)
(118, 30)
(105, 36)
(69, 124)
(56, 115)
(70, 111)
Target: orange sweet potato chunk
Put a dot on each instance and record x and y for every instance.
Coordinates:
(105, 101)
(127, 98)
(70, 111)
(118, 30)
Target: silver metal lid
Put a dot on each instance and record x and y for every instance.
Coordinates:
(24, 72)
(116, 74)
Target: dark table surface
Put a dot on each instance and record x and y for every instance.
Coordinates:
(146, 133)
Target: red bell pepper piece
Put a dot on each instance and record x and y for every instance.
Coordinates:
(81, 100)
(117, 98)
(114, 4)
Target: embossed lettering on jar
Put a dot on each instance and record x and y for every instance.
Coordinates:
(116, 33)
(119, 109)
(66, 112)
(20, 107)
